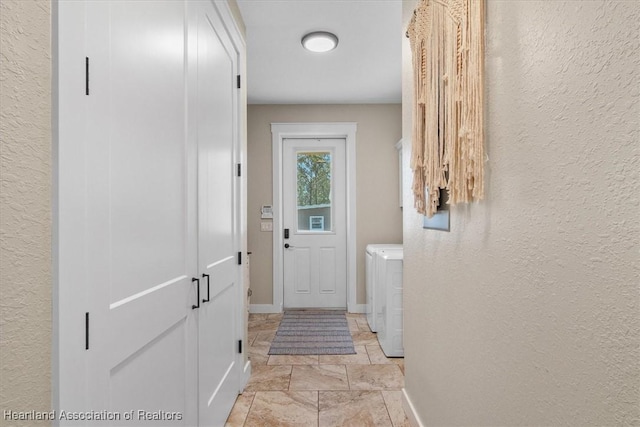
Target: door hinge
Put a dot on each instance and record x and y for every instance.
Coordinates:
(238, 81)
(86, 331)
(239, 346)
(86, 75)
(239, 169)
(239, 258)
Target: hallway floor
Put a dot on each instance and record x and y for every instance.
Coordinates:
(362, 389)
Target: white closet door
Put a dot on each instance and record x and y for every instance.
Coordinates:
(219, 360)
(140, 216)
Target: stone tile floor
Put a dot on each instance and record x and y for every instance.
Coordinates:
(359, 390)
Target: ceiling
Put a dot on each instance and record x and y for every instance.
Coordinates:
(365, 68)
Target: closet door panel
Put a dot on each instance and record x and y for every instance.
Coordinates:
(133, 378)
(140, 214)
(218, 241)
(151, 202)
(147, 146)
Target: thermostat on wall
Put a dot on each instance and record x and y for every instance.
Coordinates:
(267, 211)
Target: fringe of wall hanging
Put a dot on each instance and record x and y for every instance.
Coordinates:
(447, 43)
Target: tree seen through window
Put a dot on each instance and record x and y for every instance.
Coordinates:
(314, 179)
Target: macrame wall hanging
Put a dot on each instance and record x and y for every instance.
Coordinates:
(447, 43)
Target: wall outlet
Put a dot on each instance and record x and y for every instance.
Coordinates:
(266, 226)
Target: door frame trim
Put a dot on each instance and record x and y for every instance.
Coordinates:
(280, 132)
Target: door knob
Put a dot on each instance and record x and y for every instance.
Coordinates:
(287, 246)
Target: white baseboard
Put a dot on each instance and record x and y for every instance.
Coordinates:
(264, 308)
(271, 308)
(357, 308)
(410, 410)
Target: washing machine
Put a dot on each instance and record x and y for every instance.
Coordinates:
(370, 279)
(390, 321)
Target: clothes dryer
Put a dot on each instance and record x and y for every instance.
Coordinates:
(390, 321)
(370, 279)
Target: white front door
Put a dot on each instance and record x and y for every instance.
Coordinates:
(314, 220)
(218, 244)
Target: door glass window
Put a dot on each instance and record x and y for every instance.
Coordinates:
(314, 191)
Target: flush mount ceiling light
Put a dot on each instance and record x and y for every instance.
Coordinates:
(320, 41)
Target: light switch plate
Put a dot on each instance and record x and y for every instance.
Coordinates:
(266, 226)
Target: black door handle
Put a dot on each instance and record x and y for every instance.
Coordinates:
(287, 246)
(193, 279)
(208, 290)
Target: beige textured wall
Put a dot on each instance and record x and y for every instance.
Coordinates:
(527, 312)
(25, 207)
(378, 215)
